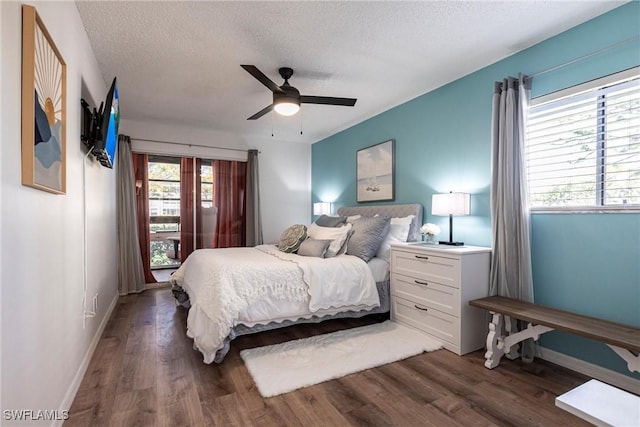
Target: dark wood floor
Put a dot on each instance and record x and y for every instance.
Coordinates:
(145, 373)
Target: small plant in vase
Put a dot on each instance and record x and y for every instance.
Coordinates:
(430, 231)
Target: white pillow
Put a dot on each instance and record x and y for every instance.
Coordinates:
(337, 235)
(398, 233)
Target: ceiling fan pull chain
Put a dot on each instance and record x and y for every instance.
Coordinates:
(301, 120)
(272, 125)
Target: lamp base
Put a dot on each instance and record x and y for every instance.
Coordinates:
(451, 243)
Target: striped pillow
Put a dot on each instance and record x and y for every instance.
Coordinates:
(368, 234)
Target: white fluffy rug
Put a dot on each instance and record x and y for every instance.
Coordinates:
(281, 368)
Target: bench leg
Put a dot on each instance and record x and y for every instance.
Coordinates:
(498, 344)
(633, 361)
(510, 329)
(531, 331)
(494, 340)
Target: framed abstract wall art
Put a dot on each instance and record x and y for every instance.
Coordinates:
(376, 172)
(43, 107)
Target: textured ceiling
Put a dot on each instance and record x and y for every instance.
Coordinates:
(179, 62)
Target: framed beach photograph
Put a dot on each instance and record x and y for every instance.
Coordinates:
(43, 107)
(376, 172)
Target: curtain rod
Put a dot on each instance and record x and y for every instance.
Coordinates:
(188, 145)
(588, 55)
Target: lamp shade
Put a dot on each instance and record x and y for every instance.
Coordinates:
(286, 105)
(322, 208)
(450, 204)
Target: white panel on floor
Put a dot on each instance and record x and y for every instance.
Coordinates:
(601, 404)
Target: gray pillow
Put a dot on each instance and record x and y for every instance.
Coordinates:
(314, 247)
(343, 249)
(331, 221)
(292, 237)
(368, 234)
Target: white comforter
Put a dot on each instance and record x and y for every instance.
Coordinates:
(234, 285)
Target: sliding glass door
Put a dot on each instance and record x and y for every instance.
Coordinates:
(187, 203)
(164, 211)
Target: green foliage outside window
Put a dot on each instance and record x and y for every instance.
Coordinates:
(159, 256)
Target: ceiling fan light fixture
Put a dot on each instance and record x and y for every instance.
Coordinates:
(286, 98)
(286, 105)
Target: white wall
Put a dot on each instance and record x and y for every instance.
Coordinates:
(44, 344)
(285, 167)
(285, 185)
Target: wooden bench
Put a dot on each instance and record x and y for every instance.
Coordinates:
(622, 339)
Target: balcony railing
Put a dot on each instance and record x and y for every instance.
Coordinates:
(165, 238)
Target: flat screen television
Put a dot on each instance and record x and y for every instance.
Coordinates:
(100, 127)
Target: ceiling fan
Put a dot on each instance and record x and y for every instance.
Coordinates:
(286, 98)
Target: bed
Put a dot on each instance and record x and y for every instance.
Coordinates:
(238, 291)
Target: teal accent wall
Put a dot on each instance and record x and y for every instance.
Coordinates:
(588, 264)
(585, 263)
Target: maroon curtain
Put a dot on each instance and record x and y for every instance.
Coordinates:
(141, 173)
(187, 173)
(229, 191)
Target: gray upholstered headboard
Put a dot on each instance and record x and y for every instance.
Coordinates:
(392, 211)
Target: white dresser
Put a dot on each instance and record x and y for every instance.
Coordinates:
(431, 286)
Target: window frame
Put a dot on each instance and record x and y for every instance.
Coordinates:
(209, 163)
(575, 91)
(161, 219)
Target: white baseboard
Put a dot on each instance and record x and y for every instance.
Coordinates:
(82, 369)
(617, 379)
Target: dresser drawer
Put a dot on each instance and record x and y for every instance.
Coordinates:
(426, 266)
(431, 321)
(427, 293)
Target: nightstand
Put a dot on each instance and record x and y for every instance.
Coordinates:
(431, 286)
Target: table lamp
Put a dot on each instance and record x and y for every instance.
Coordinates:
(322, 208)
(450, 204)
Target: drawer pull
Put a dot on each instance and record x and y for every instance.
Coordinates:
(421, 283)
(421, 257)
(420, 308)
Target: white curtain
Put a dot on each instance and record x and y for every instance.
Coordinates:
(510, 218)
(254, 220)
(130, 271)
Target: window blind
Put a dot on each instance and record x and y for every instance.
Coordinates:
(583, 150)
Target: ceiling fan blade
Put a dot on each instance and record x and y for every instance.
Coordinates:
(261, 113)
(259, 75)
(328, 100)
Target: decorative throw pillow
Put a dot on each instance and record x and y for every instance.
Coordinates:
(314, 247)
(343, 249)
(368, 234)
(352, 218)
(331, 221)
(292, 237)
(337, 235)
(398, 233)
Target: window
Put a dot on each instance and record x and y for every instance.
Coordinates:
(164, 210)
(206, 183)
(164, 193)
(583, 146)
